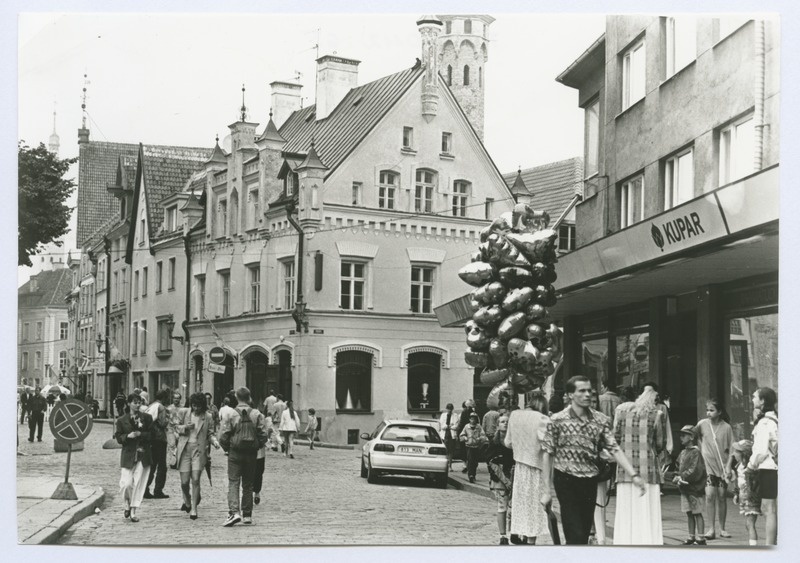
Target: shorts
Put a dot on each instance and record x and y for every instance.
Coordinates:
(692, 503)
(768, 483)
(190, 458)
(714, 481)
(503, 499)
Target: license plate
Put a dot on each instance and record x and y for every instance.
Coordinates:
(411, 450)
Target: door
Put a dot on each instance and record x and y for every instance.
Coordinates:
(256, 377)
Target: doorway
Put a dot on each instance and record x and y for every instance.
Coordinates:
(223, 382)
(256, 376)
(284, 383)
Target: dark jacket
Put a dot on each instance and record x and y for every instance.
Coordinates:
(499, 461)
(692, 469)
(159, 430)
(134, 449)
(463, 418)
(23, 399)
(37, 404)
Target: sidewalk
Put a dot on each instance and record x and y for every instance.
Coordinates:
(673, 520)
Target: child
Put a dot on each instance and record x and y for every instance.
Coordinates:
(499, 461)
(691, 481)
(743, 493)
(473, 437)
(311, 427)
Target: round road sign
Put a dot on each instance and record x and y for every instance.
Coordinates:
(71, 421)
(217, 354)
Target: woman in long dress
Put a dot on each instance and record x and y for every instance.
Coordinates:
(639, 431)
(525, 429)
(195, 428)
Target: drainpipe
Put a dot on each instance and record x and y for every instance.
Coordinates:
(299, 312)
(186, 311)
(760, 79)
(106, 353)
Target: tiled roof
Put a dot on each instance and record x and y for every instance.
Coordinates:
(553, 185)
(97, 236)
(51, 286)
(352, 120)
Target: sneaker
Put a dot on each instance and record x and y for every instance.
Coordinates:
(710, 535)
(724, 534)
(503, 541)
(688, 541)
(516, 540)
(148, 494)
(233, 518)
(701, 541)
(256, 499)
(592, 539)
(247, 520)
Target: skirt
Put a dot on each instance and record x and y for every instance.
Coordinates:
(528, 517)
(637, 519)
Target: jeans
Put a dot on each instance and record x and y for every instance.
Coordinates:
(576, 496)
(36, 420)
(258, 478)
(241, 469)
(473, 457)
(159, 467)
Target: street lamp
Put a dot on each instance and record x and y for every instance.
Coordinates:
(170, 328)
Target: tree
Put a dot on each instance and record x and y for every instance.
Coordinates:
(43, 192)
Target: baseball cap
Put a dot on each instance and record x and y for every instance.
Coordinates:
(688, 429)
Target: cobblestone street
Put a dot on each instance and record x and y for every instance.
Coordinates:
(322, 485)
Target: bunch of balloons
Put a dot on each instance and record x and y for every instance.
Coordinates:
(510, 336)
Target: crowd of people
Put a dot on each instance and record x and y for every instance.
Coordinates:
(585, 445)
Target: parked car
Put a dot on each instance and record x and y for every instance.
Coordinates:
(404, 447)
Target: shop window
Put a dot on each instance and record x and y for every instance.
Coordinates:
(633, 75)
(633, 358)
(678, 179)
(353, 381)
(423, 381)
(681, 42)
(594, 360)
(736, 142)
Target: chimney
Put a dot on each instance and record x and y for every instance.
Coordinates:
(336, 76)
(429, 29)
(285, 100)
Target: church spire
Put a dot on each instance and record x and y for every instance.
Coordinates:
(243, 109)
(83, 132)
(54, 142)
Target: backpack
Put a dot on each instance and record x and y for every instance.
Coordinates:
(244, 433)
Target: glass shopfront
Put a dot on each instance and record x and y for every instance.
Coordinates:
(633, 353)
(595, 359)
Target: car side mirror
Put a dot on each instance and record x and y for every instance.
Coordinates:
(365, 436)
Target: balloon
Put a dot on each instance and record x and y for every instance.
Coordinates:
(536, 247)
(488, 316)
(535, 332)
(474, 304)
(515, 276)
(517, 377)
(493, 400)
(534, 312)
(524, 386)
(494, 293)
(477, 339)
(516, 299)
(469, 325)
(476, 359)
(490, 377)
(477, 256)
(498, 353)
(525, 219)
(476, 273)
(522, 354)
(511, 325)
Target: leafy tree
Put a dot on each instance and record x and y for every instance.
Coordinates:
(43, 192)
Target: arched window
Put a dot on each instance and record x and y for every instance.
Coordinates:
(424, 369)
(388, 182)
(423, 190)
(449, 75)
(353, 381)
(466, 75)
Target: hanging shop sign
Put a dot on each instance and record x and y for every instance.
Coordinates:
(216, 368)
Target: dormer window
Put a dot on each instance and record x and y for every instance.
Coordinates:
(171, 218)
(290, 184)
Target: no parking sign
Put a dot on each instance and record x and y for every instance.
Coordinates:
(70, 422)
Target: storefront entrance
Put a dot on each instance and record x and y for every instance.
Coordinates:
(223, 382)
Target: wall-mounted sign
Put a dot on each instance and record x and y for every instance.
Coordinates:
(216, 368)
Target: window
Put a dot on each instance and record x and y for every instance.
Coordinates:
(449, 75)
(729, 24)
(352, 286)
(681, 38)
(123, 282)
(172, 218)
(116, 285)
(225, 293)
(288, 284)
(480, 77)
(143, 333)
(353, 381)
(144, 281)
(466, 75)
(487, 207)
(423, 192)
(26, 332)
(386, 188)
(171, 274)
(222, 214)
(632, 202)
(62, 361)
(234, 222)
(37, 360)
(467, 26)
(39, 330)
(460, 193)
(290, 183)
(141, 231)
(736, 147)
(135, 339)
(591, 119)
(423, 381)
(448, 27)
(136, 284)
(255, 289)
(253, 207)
(356, 194)
(408, 137)
(447, 143)
(201, 297)
(164, 341)
(24, 366)
(633, 75)
(566, 237)
(63, 331)
(159, 275)
(421, 289)
(678, 179)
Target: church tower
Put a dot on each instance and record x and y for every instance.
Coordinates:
(463, 52)
(54, 142)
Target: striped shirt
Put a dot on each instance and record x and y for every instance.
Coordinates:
(641, 438)
(575, 443)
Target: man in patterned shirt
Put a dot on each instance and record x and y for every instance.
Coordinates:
(571, 444)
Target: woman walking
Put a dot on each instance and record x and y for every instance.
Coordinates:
(133, 432)
(765, 457)
(195, 428)
(290, 422)
(525, 428)
(715, 437)
(639, 430)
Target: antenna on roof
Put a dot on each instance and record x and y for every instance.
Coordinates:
(244, 107)
(83, 100)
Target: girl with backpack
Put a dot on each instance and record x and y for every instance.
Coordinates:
(290, 422)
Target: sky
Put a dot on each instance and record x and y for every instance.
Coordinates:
(176, 79)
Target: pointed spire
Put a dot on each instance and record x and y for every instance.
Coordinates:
(83, 101)
(271, 131)
(519, 184)
(218, 155)
(312, 159)
(243, 109)
(54, 142)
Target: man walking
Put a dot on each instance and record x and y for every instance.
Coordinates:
(37, 405)
(269, 403)
(24, 397)
(243, 434)
(158, 445)
(277, 411)
(571, 444)
(608, 400)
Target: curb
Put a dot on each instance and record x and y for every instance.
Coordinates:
(50, 533)
(326, 445)
(460, 485)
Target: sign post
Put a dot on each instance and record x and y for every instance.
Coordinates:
(70, 422)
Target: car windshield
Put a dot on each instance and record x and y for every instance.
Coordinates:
(409, 433)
